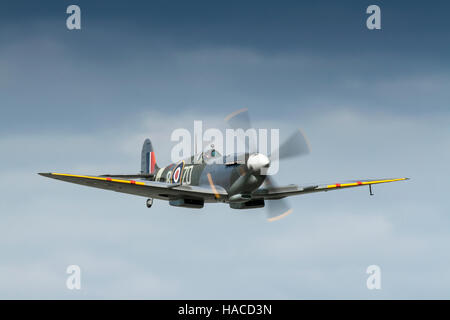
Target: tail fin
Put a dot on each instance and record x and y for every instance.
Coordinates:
(148, 162)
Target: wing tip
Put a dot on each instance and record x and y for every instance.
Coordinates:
(45, 174)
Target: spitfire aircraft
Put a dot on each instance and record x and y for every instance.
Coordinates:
(239, 182)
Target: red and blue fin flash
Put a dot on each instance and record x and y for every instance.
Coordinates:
(148, 160)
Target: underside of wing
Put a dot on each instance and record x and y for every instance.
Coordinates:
(128, 176)
(291, 190)
(149, 189)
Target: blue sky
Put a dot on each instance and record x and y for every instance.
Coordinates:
(372, 103)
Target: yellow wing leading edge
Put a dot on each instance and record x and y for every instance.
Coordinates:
(363, 182)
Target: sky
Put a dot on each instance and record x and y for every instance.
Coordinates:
(373, 103)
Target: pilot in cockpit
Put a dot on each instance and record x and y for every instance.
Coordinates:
(210, 154)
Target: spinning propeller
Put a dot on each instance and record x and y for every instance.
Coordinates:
(257, 163)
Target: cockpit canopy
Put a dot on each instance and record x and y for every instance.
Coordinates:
(207, 156)
(211, 154)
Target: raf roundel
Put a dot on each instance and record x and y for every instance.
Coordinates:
(177, 173)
